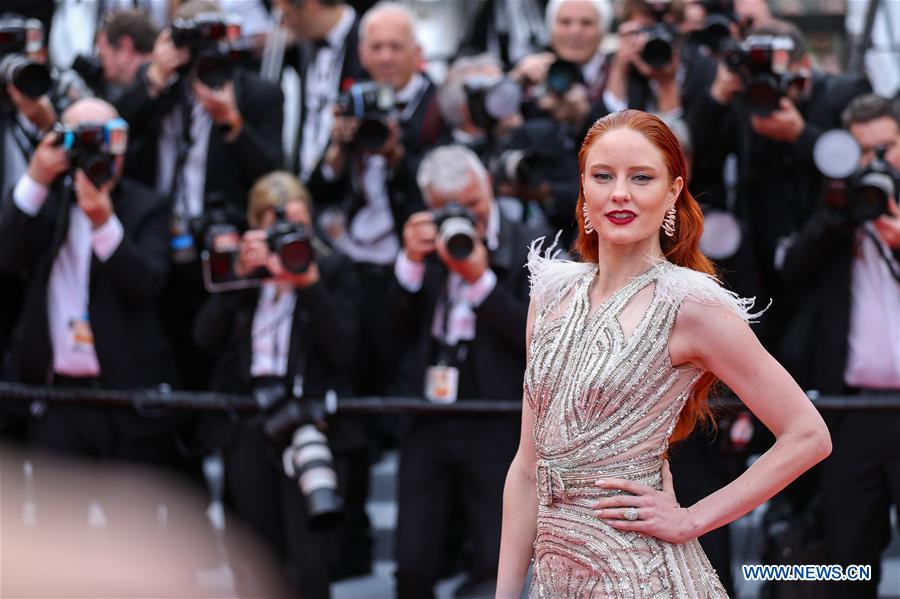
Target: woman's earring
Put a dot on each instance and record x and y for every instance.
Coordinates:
(668, 224)
(588, 227)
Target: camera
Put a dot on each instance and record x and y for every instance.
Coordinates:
(372, 103)
(90, 69)
(659, 50)
(19, 37)
(716, 25)
(308, 459)
(292, 243)
(490, 100)
(522, 167)
(562, 75)
(214, 44)
(863, 191)
(456, 228)
(762, 61)
(94, 147)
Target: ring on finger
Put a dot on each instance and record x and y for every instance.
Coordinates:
(630, 514)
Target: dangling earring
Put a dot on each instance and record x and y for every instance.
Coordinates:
(668, 224)
(588, 227)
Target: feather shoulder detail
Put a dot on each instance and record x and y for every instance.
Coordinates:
(551, 277)
(677, 284)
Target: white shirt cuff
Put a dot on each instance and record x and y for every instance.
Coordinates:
(106, 238)
(613, 102)
(29, 195)
(409, 274)
(478, 291)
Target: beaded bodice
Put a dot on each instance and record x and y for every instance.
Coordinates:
(605, 401)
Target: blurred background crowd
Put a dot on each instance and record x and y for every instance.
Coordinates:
(306, 199)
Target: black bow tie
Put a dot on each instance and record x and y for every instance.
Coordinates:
(320, 43)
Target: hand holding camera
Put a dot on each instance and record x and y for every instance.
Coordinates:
(38, 110)
(220, 104)
(256, 252)
(94, 202)
(784, 124)
(726, 86)
(419, 236)
(888, 225)
(471, 266)
(48, 161)
(165, 61)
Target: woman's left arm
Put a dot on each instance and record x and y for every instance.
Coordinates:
(715, 339)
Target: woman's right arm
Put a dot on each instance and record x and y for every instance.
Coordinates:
(519, 505)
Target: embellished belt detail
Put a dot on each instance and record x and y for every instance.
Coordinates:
(549, 483)
(557, 483)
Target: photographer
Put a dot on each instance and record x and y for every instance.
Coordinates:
(124, 43)
(368, 171)
(296, 327)
(326, 58)
(207, 130)
(478, 104)
(81, 233)
(768, 109)
(845, 264)
(458, 304)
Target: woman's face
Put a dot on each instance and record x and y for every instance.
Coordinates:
(627, 188)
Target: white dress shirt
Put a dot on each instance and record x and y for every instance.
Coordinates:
(320, 91)
(873, 355)
(191, 191)
(271, 332)
(69, 284)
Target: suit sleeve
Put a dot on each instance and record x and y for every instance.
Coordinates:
(215, 320)
(21, 236)
(334, 312)
(140, 264)
(815, 247)
(258, 146)
(506, 314)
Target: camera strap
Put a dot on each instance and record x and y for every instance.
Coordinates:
(892, 266)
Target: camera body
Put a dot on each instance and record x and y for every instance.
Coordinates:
(18, 38)
(659, 49)
(524, 167)
(292, 242)
(215, 47)
(763, 63)
(491, 99)
(562, 75)
(862, 192)
(372, 103)
(716, 25)
(94, 147)
(456, 228)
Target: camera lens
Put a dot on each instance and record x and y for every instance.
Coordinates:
(562, 75)
(870, 196)
(309, 457)
(372, 133)
(763, 94)
(296, 255)
(657, 51)
(31, 78)
(459, 237)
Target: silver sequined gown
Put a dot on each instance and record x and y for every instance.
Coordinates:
(605, 406)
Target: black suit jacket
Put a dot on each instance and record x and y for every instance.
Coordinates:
(420, 133)
(231, 167)
(130, 346)
(498, 350)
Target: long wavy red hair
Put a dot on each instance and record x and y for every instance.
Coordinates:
(682, 249)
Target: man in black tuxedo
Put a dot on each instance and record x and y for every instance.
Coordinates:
(459, 323)
(375, 188)
(203, 147)
(326, 58)
(844, 340)
(95, 257)
(296, 328)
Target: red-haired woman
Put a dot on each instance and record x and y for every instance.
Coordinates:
(623, 348)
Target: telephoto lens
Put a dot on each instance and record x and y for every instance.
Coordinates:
(309, 460)
(456, 227)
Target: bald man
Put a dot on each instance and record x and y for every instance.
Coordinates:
(95, 254)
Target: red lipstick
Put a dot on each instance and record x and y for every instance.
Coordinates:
(621, 217)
